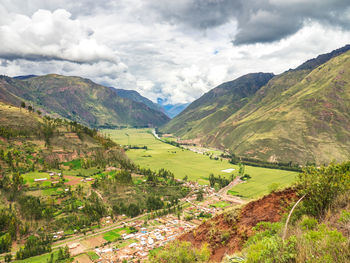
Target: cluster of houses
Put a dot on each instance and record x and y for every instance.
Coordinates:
(145, 240)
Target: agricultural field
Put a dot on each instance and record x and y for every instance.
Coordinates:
(196, 166)
(38, 259)
(116, 234)
(159, 155)
(261, 180)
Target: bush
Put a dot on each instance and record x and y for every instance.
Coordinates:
(181, 252)
(323, 245)
(321, 186)
(272, 249)
(308, 223)
(344, 217)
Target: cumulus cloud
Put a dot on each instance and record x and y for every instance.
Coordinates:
(174, 50)
(50, 35)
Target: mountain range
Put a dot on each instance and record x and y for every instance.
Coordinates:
(171, 110)
(80, 100)
(301, 115)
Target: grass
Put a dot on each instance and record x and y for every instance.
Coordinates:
(126, 243)
(38, 259)
(220, 204)
(92, 255)
(196, 166)
(115, 234)
(29, 178)
(260, 181)
(161, 155)
(52, 191)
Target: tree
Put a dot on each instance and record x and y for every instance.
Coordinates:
(8, 258)
(23, 104)
(212, 180)
(200, 196)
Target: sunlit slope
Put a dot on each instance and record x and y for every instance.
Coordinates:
(299, 116)
(206, 113)
(80, 100)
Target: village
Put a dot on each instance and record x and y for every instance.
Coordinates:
(146, 235)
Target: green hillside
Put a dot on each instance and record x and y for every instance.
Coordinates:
(80, 100)
(135, 96)
(204, 114)
(301, 115)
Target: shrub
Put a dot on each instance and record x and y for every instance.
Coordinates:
(344, 217)
(323, 245)
(321, 186)
(180, 252)
(308, 223)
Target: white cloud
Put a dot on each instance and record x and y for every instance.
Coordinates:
(53, 35)
(160, 51)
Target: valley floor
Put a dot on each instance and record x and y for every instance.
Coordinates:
(196, 165)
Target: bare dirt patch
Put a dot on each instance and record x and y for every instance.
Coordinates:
(76, 248)
(238, 224)
(72, 180)
(94, 241)
(83, 259)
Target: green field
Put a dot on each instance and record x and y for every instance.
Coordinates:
(162, 155)
(221, 204)
(258, 184)
(38, 259)
(116, 234)
(196, 166)
(29, 178)
(92, 255)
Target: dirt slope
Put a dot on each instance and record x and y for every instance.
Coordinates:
(227, 232)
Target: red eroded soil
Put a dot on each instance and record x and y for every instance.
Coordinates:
(72, 180)
(238, 225)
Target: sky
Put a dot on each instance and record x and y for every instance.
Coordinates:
(173, 50)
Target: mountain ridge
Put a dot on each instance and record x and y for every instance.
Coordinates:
(300, 115)
(79, 99)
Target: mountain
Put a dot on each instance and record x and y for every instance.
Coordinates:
(80, 100)
(204, 114)
(25, 77)
(302, 115)
(172, 110)
(135, 96)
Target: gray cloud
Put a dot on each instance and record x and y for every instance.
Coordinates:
(257, 21)
(175, 50)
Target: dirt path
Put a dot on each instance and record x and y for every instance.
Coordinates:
(223, 192)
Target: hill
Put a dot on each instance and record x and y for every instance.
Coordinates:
(35, 142)
(204, 114)
(135, 96)
(80, 100)
(172, 110)
(301, 115)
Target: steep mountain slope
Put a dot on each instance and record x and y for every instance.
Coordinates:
(301, 115)
(135, 96)
(172, 110)
(204, 114)
(80, 100)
